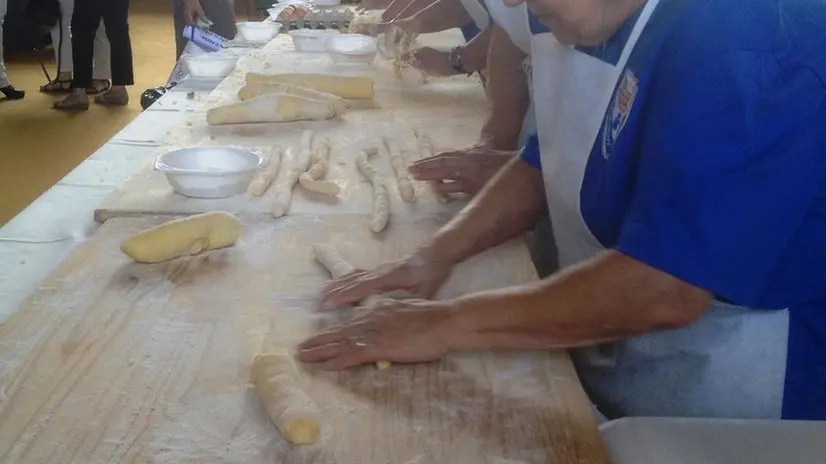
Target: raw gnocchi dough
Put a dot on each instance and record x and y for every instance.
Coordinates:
(261, 182)
(427, 150)
(406, 190)
(276, 379)
(187, 236)
(381, 203)
(319, 163)
(338, 267)
(284, 186)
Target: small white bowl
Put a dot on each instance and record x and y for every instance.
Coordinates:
(311, 40)
(209, 172)
(258, 32)
(327, 2)
(210, 65)
(352, 48)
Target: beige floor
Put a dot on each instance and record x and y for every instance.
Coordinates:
(38, 145)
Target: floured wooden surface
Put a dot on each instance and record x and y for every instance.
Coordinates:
(111, 361)
(451, 110)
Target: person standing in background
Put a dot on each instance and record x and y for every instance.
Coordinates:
(85, 21)
(6, 88)
(62, 43)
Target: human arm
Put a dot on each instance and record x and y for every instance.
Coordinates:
(192, 11)
(508, 206)
(562, 311)
(399, 9)
(436, 62)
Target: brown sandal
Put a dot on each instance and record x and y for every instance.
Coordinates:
(72, 102)
(99, 86)
(57, 86)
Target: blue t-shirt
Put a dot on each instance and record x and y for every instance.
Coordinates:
(711, 164)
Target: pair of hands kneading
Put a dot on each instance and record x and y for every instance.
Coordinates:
(395, 330)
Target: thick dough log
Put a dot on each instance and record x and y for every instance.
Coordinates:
(276, 379)
(406, 190)
(273, 107)
(284, 187)
(251, 91)
(319, 163)
(357, 88)
(338, 267)
(381, 201)
(261, 182)
(187, 236)
(427, 150)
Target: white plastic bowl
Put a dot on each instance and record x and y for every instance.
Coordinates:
(209, 172)
(311, 40)
(352, 48)
(258, 32)
(210, 65)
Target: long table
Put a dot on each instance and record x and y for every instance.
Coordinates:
(111, 361)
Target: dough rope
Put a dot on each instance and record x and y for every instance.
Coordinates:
(262, 181)
(338, 267)
(275, 378)
(320, 163)
(427, 150)
(284, 187)
(381, 202)
(403, 181)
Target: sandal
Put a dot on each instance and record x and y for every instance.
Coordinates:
(57, 86)
(73, 102)
(99, 86)
(116, 97)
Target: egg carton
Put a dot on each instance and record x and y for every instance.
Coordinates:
(322, 18)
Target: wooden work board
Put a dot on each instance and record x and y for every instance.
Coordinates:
(450, 110)
(113, 361)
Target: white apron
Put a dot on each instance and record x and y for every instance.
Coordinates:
(685, 372)
(514, 21)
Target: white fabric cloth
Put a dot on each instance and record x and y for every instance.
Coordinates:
(4, 78)
(62, 43)
(513, 20)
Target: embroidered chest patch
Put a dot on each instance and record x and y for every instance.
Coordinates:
(618, 111)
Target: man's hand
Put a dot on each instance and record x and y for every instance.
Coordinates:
(432, 62)
(463, 171)
(193, 11)
(420, 274)
(396, 331)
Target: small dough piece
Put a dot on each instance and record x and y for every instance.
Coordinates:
(356, 88)
(187, 236)
(427, 150)
(319, 163)
(273, 107)
(276, 379)
(284, 186)
(406, 190)
(338, 267)
(261, 182)
(381, 201)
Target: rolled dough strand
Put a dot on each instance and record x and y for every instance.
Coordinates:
(406, 190)
(381, 203)
(299, 165)
(319, 162)
(262, 181)
(338, 267)
(276, 379)
(427, 150)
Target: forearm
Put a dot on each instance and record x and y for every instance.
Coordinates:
(507, 90)
(441, 16)
(475, 52)
(610, 297)
(506, 207)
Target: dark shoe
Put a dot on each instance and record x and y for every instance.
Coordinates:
(12, 94)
